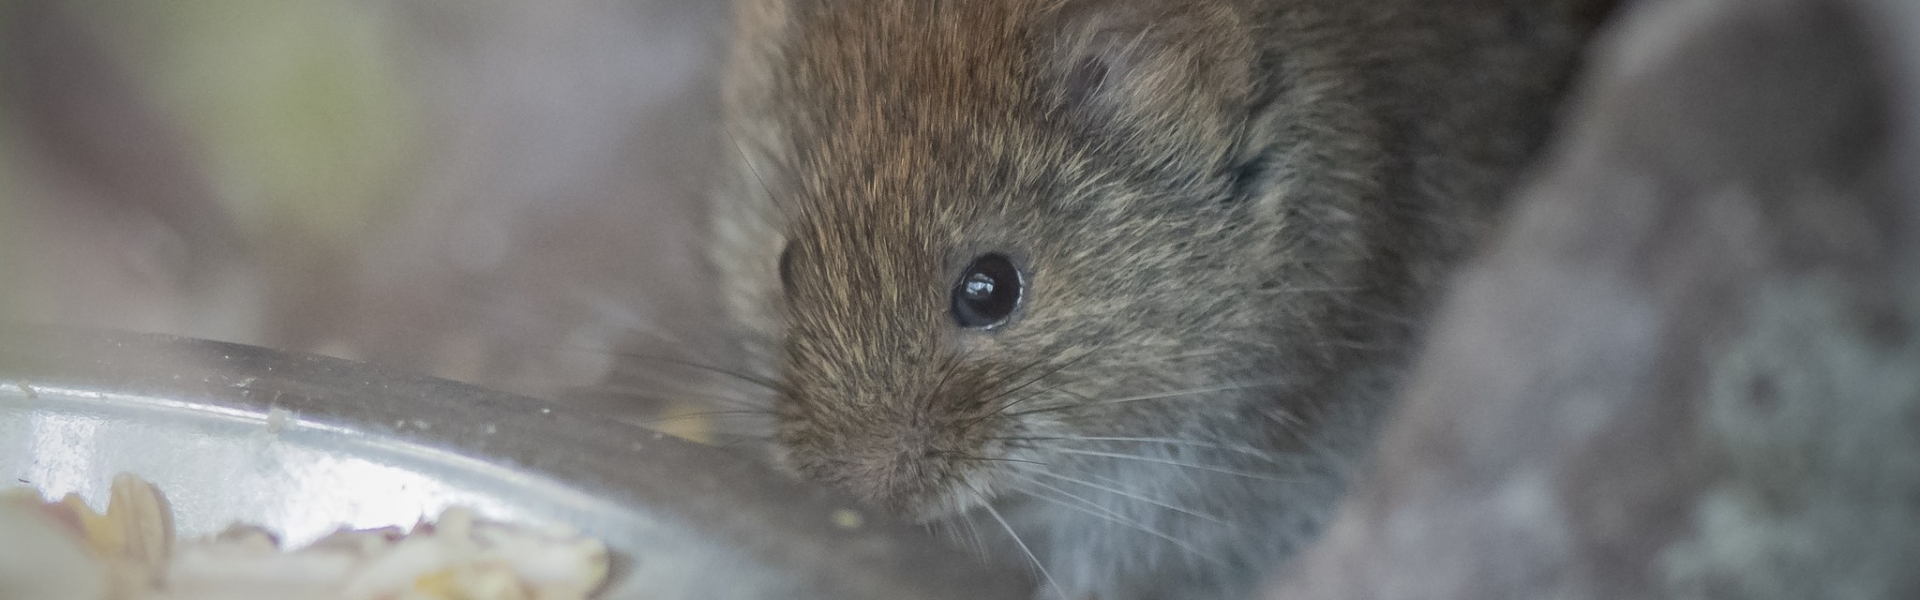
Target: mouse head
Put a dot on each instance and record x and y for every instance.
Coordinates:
(966, 228)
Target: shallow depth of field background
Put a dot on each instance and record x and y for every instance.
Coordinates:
(492, 191)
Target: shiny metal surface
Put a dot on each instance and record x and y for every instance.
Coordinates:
(304, 445)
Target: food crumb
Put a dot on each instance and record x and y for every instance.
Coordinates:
(848, 519)
(277, 419)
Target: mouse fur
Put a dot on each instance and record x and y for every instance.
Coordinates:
(1229, 217)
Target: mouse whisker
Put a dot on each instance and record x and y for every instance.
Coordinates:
(655, 395)
(971, 457)
(711, 413)
(1054, 585)
(745, 440)
(1024, 384)
(762, 382)
(1311, 290)
(653, 335)
(662, 340)
(1094, 509)
(1274, 456)
(1016, 374)
(979, 539)
(755, 434)
(1011, 391)
(1171, 462)
(1188, 393)
(741, 149)
(668, 390)
(712, 432)
(1030, 396)
(990, 399)
(946, 374)
(1347, 343)
(1131, 496)
(1192, 355)
(651, 410)
(952, 527)
(757, 443)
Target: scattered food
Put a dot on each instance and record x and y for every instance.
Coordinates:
(63, 550)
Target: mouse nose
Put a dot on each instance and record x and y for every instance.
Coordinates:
(898, 472)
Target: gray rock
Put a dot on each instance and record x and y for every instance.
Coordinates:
(1691, 368)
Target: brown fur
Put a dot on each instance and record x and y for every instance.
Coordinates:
(1254, 195)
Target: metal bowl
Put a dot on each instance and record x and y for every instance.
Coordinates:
(305, 444)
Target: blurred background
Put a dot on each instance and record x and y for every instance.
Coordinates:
(491, 191)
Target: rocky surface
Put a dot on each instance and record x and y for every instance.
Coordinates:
(1691, 368)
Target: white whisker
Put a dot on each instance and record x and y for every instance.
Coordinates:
(1266, 454)
(1111, 516)
(1221, 470)
(1131, 496)
(1023, 548)
(1312, 290)
(1158, 396)
(658, 393)
(973, 536)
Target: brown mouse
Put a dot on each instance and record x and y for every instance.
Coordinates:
(1130, 280)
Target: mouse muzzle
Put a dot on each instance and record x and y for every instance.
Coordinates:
(899, 462)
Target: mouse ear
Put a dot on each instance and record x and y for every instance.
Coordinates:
(1155, 76)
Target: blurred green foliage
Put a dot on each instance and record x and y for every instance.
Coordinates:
(296, 111)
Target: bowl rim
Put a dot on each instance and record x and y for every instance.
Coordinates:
(710, 495)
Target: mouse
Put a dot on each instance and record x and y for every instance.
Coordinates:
(1112, 291)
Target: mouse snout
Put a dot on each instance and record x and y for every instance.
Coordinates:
(891, 463)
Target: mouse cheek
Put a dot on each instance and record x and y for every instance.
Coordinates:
(797, 449)
(823, 458)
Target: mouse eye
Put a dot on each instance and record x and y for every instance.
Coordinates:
(786, 267)
(987, 293)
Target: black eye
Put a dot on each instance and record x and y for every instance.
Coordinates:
(786, 267)
(987, 293)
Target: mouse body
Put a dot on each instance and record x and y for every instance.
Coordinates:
(1115, 290)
